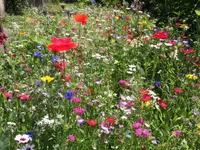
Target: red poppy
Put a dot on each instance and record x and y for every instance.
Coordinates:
(177, 90)
(61, 45)
(161, 35)
(110, 120)
(162, 104)
(92, 123)
(82, 18)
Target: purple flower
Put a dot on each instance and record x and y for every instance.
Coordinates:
(158, 83)
(80, 121)
(69, 95)
(37, 54)
(55, 58)
(38, 82)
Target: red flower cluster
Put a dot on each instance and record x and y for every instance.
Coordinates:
(60, 65)
(61, 45)
(145, 95)
(162, 103)
(82, 18)
(188, 51)
(110, 120)
(3, 37)
(160, 35)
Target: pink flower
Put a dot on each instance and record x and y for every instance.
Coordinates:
(136, 125)
(141, 121)
(139, 132)
(28, 69)
(72, 138)
(146, 133)
(24, 97)
(8, 95)
(177, 133)
(123, 83)
(76, 100)
(79, 111)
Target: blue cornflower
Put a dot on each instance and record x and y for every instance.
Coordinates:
(158, 83)
(69, 95)
(30, 134)
(55, 58)
(37, 54)
(38, 82)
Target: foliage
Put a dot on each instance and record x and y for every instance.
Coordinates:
(128, 85)
(16, 6)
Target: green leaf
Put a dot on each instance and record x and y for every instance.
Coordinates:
(197, 12)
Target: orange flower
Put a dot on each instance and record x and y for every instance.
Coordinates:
(82, 18)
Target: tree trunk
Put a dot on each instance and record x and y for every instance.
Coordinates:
(1, 15)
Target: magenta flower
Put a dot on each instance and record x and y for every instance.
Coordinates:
(146, 133)
(177, 133)
(72, 138)
(141, 121)
(28, 69)
(123, 83)
(136, 125)
(79, 111)
(139, 132)
(76, 100)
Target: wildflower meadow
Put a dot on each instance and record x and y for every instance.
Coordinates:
(98, 78)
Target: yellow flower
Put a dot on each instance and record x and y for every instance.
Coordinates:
(198, 126)
(22, 33)
(142, 22)
(184, 26)
(147, 103)
(47, 79)
(191, 77)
